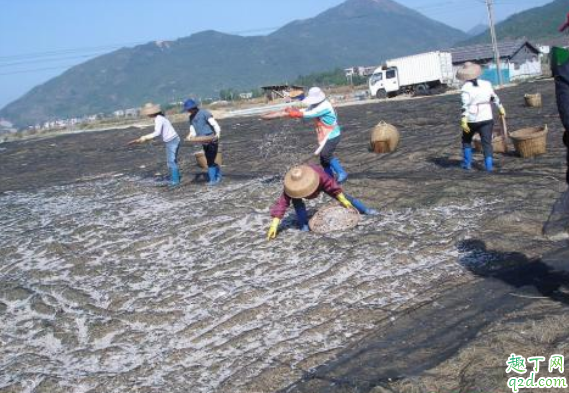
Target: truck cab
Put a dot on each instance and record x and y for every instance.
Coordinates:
(384, 82)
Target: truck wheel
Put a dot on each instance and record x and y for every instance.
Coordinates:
(422, 90)
(380, 94)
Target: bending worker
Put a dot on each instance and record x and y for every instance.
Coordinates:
(203, 124)
(327, 129)
(162, 126)
(308, 181)
(477, 99)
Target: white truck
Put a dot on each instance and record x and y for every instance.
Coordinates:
(416, 74)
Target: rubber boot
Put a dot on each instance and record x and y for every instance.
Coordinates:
(211, 173)
(328, 170)
(489, 162)
(301, 214)
(363, 209)
(467, 163)
(340, 172)
(174, 178)
(218, 175)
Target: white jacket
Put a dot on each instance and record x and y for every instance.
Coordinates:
(477, 101)
(162, 126)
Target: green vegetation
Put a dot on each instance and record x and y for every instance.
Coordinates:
(336, 77)
(536, 23)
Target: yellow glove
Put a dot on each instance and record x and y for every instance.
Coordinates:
(273, 229)
(344, 201)
(464, 125)
(502, 111)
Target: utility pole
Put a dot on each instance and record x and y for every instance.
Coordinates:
(490, 7)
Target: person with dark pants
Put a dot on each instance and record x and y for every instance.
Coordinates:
(327, 130)
(307, 182)
(204, 125)
(560, 71)
(477, 98)
(484, 128)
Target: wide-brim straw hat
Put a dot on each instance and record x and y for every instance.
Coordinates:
(469, 71)
(315, 96)
(301, 182)
(150, 109)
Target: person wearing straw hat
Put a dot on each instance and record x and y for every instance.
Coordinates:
(307, 182)
(477, 99)
(163, 127)
(328, 131)
(204, 125)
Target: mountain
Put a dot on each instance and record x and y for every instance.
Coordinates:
(477, 30)
(357, 32)
(535, 23)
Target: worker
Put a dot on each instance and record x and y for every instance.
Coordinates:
(327, 129)
(203, 124)
(560, 71)
(307, 182)
(477, 99)
(162, 126)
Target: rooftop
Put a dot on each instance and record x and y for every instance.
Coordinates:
(478, 52)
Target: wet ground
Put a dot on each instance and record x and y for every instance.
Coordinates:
(111, 284)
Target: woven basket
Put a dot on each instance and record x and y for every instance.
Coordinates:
(384, 138)
(533, 100)
(530, 141)
(497, 142)
(334, 218)
(202, 162)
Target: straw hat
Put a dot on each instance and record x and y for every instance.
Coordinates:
(301, 182)
(469, 71)
(150, 109)
(315, 96)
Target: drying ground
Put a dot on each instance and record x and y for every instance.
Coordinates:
(112, 284)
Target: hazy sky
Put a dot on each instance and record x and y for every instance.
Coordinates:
(39, 39)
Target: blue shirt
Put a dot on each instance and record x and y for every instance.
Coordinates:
(201, 124)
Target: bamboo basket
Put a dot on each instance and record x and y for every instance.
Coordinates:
(533, 100)
(384, 138)
(334, 218)
(530, 141)
(202, 162)
(497, 142)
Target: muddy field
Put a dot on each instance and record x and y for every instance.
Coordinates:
(109, 283)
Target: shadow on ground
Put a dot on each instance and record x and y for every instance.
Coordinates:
(425, 337)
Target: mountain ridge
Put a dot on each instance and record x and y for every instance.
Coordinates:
(356, 32)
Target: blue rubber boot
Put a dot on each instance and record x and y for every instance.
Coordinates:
(363, 209)
(174, 178)
(301, 214)
(218, 175)
(489, 162)
(340, 172)
(467, 163)
(211, 173)
(328, 170)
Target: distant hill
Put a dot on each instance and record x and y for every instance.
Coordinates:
(357, 32)
(535, 23)
(477, 30)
